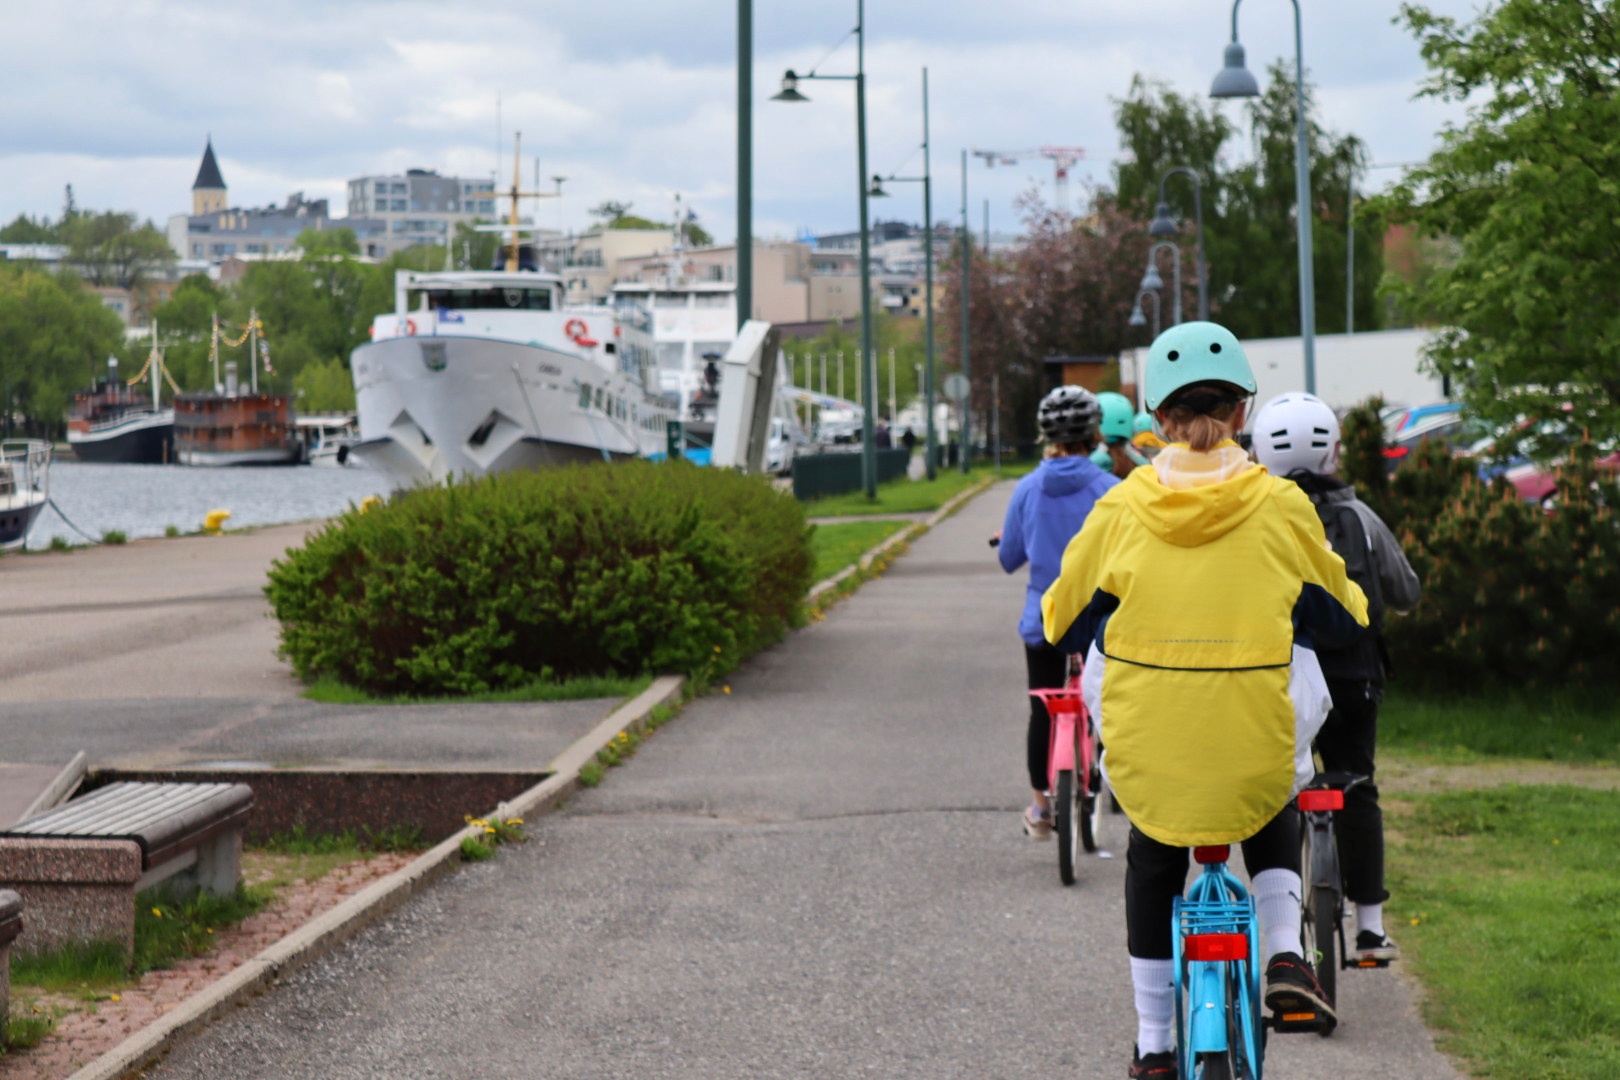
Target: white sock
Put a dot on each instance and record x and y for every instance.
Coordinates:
(1276, 901)
(1155, 988)
(1370, 917)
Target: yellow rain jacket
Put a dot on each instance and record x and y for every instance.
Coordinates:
(1192, 602)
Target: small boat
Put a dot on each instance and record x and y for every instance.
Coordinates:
(114, 422)
(24, 488)
(327, 439)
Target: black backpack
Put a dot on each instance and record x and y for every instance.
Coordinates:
(1367, 659)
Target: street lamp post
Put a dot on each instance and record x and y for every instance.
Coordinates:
(1152, 282)
(1138, 319)
(790, 92)
(1164, 225)
(967, 268)
(745, 161)
(926, 180)
(1235, 80)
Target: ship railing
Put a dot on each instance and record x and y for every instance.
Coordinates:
(24, 464)
(123, 418)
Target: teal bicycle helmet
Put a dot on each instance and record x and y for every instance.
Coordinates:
(1101, 458)
(1193, 352)
(1117, 416)
(1143, 422)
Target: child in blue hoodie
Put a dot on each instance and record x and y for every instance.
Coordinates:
(1047, 509)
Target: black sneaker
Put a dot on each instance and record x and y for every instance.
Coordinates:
(1291, 987)
(1160, 1066)
(1371, 945)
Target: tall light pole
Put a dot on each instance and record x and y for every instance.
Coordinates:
(745, 161)
(1152, 282)
(1234, 81)
(967, 269)
(928, 275)
(790, 92)
(1164, 225)
(1138, 319)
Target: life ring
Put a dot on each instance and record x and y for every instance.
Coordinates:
(410, 327)
(577, 332)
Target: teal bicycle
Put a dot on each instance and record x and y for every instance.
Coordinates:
(1220, 1033)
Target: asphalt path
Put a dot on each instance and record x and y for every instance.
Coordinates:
(819, 874)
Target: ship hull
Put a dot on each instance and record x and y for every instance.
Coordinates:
(434, 408)
(147, 440)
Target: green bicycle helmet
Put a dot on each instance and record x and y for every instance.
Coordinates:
(1116, 416)
(1193, 352)
(1143, 422)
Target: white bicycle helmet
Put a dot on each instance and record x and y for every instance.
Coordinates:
(1069, 414)
(1297, 431)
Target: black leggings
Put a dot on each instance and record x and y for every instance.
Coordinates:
(1347, 742)
(1048, 670)
(1155, 874)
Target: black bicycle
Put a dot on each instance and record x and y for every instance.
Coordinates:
(1323, 881)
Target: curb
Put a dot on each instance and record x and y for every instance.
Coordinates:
(324, 933)
(908, 532)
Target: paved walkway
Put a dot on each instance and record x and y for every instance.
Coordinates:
(817, 875)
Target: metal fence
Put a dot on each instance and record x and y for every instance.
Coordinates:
(816, 476)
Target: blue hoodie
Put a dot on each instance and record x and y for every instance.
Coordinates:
(1047, 509)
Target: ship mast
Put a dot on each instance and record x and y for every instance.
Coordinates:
(513, 224)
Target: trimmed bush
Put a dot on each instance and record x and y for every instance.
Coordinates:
(1513, 594)
(586, 570)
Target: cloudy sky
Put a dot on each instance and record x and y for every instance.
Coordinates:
(634, 100)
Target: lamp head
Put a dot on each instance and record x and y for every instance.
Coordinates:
(1151, 281)
(790, 88)
(1163, 224)
(1235, 79)
(876, 190)
(1137, 318)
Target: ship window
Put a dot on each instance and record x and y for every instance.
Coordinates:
(518, 299)
(669, 300)
(584, 396)
(712, 299)
(601, 398)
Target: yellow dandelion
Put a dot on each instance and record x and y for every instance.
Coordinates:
(209, 930)
(478, 823)
(157, 913)
(514, 821)
(717, 648)
(725, 689)
(115, 997)
(489, 830)
(1416, 920)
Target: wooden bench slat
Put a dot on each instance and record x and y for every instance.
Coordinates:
(157, 816)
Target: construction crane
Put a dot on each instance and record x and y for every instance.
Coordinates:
(1063, 158)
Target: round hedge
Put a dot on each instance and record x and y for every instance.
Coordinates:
(585, 570)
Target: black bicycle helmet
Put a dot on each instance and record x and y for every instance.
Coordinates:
(1069, 414)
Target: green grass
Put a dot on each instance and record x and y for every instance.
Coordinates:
(166, 930)
(1570, 726)
(900, 496)
(1507, 905)
(838, 546)
(332, 692)
(23, 1032)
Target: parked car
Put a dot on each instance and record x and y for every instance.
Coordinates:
(1443, 422)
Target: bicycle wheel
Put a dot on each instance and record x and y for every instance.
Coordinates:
(1214, 1067)
(1091, 811)
(1321, 911)
(1063, 806)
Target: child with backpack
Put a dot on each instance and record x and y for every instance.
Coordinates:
(1296, 436)
(1197, 590)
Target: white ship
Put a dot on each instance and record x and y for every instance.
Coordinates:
(477, 372)
(24, 488)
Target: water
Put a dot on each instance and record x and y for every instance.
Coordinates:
(144, 500)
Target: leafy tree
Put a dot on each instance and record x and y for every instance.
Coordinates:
(328, 242)
(1250, 240)
(185, 325)
(57, 335)
(324, 386)
(110, 249)
(26, 230)
(1527, 185)
(474, 250)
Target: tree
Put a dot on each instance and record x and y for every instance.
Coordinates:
(1250, 240)
(328, 242)
(1527, 186)
(185, 325)
(110, 249)
(26, 230)
(57, 334)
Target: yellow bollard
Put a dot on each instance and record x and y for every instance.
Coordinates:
(214, 521)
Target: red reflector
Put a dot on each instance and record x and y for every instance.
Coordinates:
(1216, 947)
(1325, 799)
(1214, 853)
(1396, 451)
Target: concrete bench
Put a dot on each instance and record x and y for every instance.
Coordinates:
(79, 866)
(10, 926)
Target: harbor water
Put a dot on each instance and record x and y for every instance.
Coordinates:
(146, 500)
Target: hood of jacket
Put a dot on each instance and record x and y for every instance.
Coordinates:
(1066, 475)
(1222, 493)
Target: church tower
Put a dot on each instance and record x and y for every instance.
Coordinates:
(208, 191)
